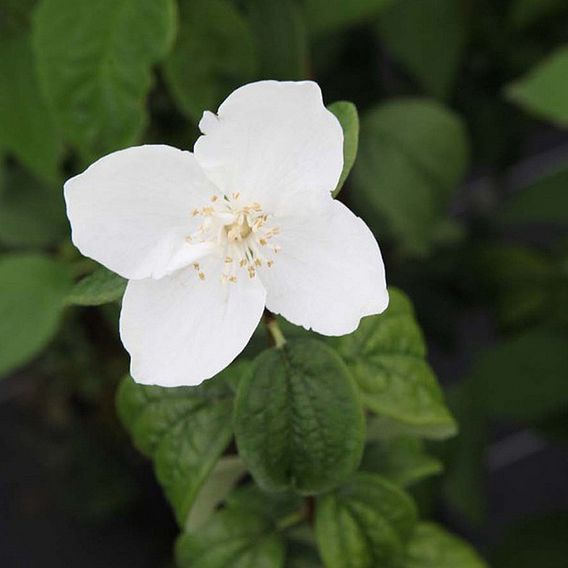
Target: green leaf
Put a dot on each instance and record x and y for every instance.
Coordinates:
(413, 153)
(524, 13)
(543, 201)
(432, 547)
(32, 214)
(401, 459)
(213, 55)
(346, 113)
(281, 38)
(524, 378)
(95, 60)
(431, 57)
(364, 524)
(232, 538)
(387, 358)
(100, 287)
(298, 420)
(26, 126)
(324, 16)
(32, 294)
(184, 430)
(544, 91)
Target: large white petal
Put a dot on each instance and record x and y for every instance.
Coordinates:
(270, 140)
(131, 210)
(181, 330)
(329, 272)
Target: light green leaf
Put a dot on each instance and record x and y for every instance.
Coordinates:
(298, 420)
(544, 201)
(364, 524)
(232, 538)
(281, 38)
(32, 214)
(32, 294)
(428, 38)
(544, 91)
(387, 358)
(401, 459)
(100, 287)
(413, 153)
(26, 126)
(524, 378)
(324, 16)
(432, 547)
(213, 55)
(184, 430)
(94, 61)
(346, 113)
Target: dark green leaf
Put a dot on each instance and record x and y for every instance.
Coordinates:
(100, 287)
(346, 113)
(387, 358)
(432, 547)
(325, 16)
(281, 38)
(184, 430)
(298, 420)
(233, 538)
(401, 459)
(524, 378)
(32, 294)
(94, 61)
(213, 55)
(544, 201)
(364, 524)
(32, 214)
(26, 127)
(412, 155)
(544, 91)
(427, 37)
(525, 13)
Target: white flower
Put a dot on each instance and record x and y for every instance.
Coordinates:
(208, 239)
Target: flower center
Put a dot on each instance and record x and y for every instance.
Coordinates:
(241, 232)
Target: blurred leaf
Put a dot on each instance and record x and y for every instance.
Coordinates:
(32, 294)
(298, 419)
(100, 287)
(544, 201)
(413, 153)
(346, 113)
(94, 61)
(544, 91)
(184, 430)
(32, 214)
(325, 16)
(463, 481)
(232, 538)
(540, 541)
(213, 55)
(364, 524)
(428, 38)
(524, 378)
(401, 459)
(387, 357)
(26, 125)
(524, 13)
(432, 547)
(281, 38)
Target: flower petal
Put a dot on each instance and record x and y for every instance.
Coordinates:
(271, 139)
(329, 272)
(131, 210)
(181, 330)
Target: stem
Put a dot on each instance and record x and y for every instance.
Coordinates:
(292, 519)
(274, 330)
